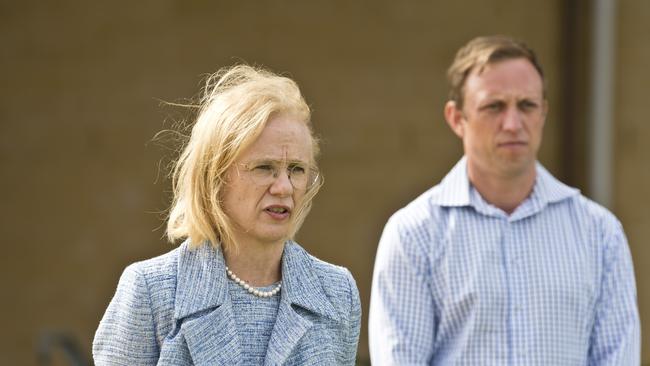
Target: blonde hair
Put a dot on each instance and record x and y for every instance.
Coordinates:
(236, 104)
(481, 51)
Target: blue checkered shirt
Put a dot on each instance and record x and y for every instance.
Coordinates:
(457, 281)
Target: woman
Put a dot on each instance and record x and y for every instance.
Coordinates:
(238, 291)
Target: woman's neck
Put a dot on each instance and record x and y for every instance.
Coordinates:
(257, 265)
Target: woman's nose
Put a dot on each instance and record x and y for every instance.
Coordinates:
(282, 184)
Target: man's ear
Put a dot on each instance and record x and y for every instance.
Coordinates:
(454, 118)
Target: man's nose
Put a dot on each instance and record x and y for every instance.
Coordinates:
(513, 119)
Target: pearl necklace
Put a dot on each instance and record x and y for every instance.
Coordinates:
(250, 288)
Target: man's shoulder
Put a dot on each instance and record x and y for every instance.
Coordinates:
(562, 200)
(419, 215)
(592, 213)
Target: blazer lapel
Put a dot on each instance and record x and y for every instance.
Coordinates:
(301, 288)
(288, 329)
(212, 339)
(204, 309)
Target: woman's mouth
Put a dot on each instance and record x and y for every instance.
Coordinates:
(278, 212)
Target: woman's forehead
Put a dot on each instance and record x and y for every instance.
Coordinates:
(283, 138)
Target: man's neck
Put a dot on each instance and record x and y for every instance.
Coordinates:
(506, 192)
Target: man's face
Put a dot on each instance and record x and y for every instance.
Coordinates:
(502, 119)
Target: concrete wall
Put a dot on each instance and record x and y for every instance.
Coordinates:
(81, 86)
(632, 150)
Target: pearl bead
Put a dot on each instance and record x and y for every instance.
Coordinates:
(250, 288)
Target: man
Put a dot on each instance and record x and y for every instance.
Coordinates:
(500, 263)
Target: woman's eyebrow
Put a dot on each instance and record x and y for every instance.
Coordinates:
(278, 161)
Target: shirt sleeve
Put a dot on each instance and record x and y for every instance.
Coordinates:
(615, 338)
(402, 323)
(126, 333)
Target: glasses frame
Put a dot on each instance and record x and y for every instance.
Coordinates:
(313, 172)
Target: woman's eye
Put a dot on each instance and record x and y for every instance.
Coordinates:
(297, 170)
(264, 168)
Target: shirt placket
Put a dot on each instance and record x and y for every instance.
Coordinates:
(513, 251)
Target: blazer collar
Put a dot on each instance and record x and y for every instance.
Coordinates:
(301, 288)
(301, 285)
(202, 280)
(209, 326)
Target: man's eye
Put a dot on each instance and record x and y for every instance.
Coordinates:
(527, 106)
(493, 107)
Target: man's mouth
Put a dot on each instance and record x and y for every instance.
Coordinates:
(512, 144)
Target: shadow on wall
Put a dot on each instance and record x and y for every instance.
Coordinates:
(57, 344)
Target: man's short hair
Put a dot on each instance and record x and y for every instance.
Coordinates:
(482, 51)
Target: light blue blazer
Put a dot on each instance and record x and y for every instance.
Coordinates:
(175, 310)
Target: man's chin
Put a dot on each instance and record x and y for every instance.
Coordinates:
(517, 166)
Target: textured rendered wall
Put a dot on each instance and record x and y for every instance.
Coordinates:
(632, 150)
(80, 91)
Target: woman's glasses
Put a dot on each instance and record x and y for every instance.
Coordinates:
(264, 172)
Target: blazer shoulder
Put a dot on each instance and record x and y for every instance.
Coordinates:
(339, 286)
(139, 314)
(157, 268)
(147, 275)
(157, 278)
(330, 273)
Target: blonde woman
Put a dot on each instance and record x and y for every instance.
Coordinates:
(238, 290)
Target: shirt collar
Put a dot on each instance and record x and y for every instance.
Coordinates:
(456, 190)
(550, 190)
(202, 282)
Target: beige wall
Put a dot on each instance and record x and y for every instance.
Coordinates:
(632, 150)
(80, 91)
